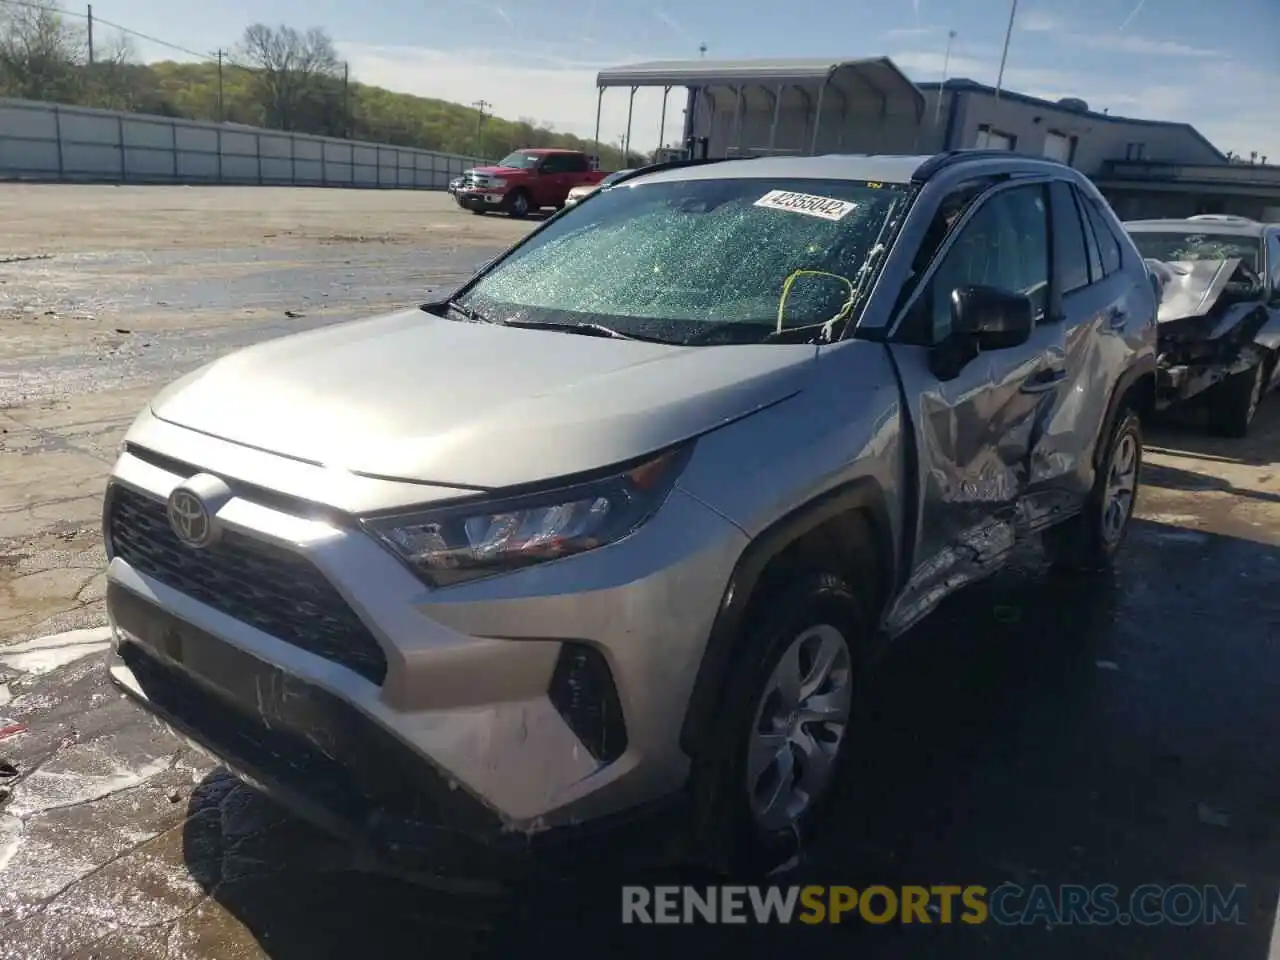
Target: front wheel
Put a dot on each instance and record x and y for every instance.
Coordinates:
(1235, 401)
(1091, 539)
(781, 732)
(519, 205)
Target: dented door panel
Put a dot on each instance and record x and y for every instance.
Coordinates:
(976, 438)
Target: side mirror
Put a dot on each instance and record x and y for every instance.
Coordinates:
(992, 319)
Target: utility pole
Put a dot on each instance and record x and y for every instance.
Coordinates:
(90, 19)
(1004, 55)
(481, 106)
(346, 100)
(221, 111)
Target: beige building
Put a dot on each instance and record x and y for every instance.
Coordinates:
(1147, 168)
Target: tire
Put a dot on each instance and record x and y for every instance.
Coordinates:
(1235, 400)
(758, 734)
(1090, 540)
(478, 211)
(519, 206)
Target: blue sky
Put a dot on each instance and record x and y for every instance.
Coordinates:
(1216, 65)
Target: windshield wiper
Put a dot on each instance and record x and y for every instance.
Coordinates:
(473, 315)
(585, 329)
(747, 332)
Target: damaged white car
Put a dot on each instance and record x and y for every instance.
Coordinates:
(1219, 321)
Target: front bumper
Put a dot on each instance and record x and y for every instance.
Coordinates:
(330, 764)
(481, 199)
(455, 687)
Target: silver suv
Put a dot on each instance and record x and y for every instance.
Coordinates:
(609, 533)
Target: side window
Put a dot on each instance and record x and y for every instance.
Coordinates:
(949, 212)
(1070, 252)
(1090, 241)
(553, 164)
(1108, 245)
(1004, 245)
(576, 163)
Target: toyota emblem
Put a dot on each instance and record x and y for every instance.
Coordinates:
(190, 518)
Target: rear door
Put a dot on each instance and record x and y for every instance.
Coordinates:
(555, 179)
(1090, 296)
(976, 434)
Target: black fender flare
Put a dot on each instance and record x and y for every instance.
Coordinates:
(863, 494)
(1144, 367)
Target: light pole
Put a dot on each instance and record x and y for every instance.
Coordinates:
(1004, 54)
(946, 68)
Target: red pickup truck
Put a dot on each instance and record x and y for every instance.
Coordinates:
(526, 180)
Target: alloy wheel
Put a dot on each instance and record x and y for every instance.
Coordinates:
(800, 725)
(1122, 483)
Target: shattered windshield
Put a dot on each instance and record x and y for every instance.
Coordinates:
(522, 161)
(701, 261)
(1173, 247)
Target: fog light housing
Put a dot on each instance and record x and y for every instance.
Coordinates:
(583, 692)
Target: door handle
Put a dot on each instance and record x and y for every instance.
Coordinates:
(1044, 380)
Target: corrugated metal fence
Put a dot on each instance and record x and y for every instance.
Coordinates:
(45, 141)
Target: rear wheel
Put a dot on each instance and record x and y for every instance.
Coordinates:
(1091, 539)
(781, 732)
(1235, 401)
(478, 211)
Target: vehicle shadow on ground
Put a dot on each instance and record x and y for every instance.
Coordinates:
(1172, 478)
(1187, 436)
(1117, 729)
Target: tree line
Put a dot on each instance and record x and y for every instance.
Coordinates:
(281, 78)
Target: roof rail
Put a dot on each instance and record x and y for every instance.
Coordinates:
(940, 161)
(674, 165)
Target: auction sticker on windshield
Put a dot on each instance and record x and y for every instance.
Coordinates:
(828, 208)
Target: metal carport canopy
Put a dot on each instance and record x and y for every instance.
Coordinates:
(878, 76)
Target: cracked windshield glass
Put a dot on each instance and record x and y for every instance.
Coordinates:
(691, 260)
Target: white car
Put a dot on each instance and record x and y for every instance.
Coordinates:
(578, 194)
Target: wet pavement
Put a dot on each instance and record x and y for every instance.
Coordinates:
(1121, 729)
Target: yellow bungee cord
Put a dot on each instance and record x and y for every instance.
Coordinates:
(795, 275)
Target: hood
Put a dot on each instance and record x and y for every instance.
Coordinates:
(1191, 288)
(498, 171)
(412, 396)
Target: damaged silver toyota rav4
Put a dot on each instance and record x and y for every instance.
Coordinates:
(610, 533)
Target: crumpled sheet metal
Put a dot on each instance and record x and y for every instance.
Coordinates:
(1190, 288)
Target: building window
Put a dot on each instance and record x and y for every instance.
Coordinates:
(1060, 147)
(1135, 151)
(989, 139)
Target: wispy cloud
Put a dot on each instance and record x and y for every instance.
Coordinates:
(672, 23)
(906, 33)
(504, 16)
(1040, 21)
(1133, 15)
(915, 8)
(1126, 43)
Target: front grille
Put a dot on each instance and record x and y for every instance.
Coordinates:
(273, 590)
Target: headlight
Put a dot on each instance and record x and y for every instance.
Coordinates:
(497, 182)
(479, 539)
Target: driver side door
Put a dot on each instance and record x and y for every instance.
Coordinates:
(975, 429)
